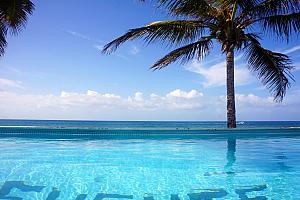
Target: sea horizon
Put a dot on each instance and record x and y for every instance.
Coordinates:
(143, 124)
(143, 120)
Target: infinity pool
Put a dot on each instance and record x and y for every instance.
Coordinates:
(193, 167)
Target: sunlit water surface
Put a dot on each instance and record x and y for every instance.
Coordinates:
(148, 168)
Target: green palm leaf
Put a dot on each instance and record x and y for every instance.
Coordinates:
(13, 16)
(241, 4)
(14, 13)
(193, 8)
(170, 32)
(186, 53)
(282, 25)
(274, 7)
(272, 68)
(3, 42)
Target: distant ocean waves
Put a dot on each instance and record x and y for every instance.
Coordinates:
(139, 129)
(145, 124)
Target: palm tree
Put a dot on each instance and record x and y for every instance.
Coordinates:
(13, 17)
(236, 25)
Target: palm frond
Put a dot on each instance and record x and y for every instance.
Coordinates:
(171, 32)
(272, 68)
(14, 13)
(241, 4)
(268, 8)
(200, 9)
(282, 25)
(3, 43)
(245, 4)
(186, 53)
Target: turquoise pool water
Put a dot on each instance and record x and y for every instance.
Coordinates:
(65, 160)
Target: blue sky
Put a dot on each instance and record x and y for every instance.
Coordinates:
(54, 70)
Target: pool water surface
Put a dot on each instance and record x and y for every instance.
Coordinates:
(150, 168)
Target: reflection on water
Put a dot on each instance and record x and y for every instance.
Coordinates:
(281, 162)
(231, 159)
(231, 148)
(174, 169)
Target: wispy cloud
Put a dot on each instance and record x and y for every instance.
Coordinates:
(215, 74)
(9, 68)
(297, 66)
(134, 50)
(84, 37)
(99, 47)
(121, 56)
(292, 50)
(99, 44)
(10, 83)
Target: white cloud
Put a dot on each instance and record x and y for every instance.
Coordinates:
(90, 98)
(179, 99)
(297, 66)
(121, 56)
(9, 68)
(215, 75)
(176, 105)
(182, 94)
(108, 100)
(251, 100)
(254, 100)
(134, 50)
(292, 50)
(99, 47)
(95, 105)
(10, 83)
(84, 37)
(100, 44)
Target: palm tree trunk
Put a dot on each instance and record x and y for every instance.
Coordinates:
(231, 118)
